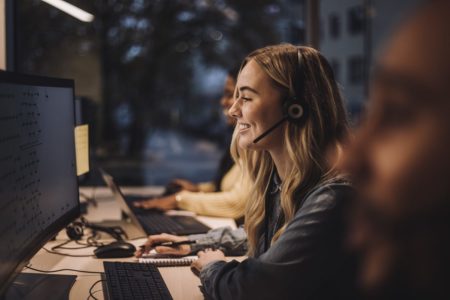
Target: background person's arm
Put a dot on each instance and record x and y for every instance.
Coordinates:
(229, 203)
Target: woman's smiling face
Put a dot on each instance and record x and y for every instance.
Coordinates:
(257, 107)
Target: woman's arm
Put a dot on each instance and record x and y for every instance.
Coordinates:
(232, 242)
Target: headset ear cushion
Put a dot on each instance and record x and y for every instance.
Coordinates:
(75, 231)
(293, 110)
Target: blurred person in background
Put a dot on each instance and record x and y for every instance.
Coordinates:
(400, 163)
(225, 195)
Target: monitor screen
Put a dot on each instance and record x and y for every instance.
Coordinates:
(38, 182)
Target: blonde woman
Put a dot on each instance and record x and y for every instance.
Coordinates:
(290, 120)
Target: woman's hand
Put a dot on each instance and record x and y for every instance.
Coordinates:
(205, 257)
(180, 250)
(163, 203)
(185, 185)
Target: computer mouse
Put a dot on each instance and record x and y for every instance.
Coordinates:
(115, 250)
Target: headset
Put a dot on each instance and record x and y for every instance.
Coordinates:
(75, 231)
(293, 108)
(294, 111)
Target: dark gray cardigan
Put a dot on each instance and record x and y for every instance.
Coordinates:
(308, 261)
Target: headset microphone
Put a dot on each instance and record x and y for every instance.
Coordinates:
(293, 112)
(269, 130)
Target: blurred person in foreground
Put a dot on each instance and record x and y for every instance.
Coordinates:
(225, 195)
(400, 164)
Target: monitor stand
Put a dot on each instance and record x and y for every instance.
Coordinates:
(40, 286)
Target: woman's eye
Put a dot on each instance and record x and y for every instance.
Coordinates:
(245, 99)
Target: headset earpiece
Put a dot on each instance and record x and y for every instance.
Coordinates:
(75, 231)
(293, 110)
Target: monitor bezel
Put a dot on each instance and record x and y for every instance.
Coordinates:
(35, 245)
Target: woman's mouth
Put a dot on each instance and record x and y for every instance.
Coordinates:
(243, 127)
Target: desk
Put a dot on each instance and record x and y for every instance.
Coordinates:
(182, 283)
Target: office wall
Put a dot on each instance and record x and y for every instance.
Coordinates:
(2, 36)
(339, 49)
(345, 45)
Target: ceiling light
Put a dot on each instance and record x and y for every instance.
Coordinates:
(71, 10)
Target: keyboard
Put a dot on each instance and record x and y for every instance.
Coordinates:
(154, 222)
(125, 280)
(158, 223)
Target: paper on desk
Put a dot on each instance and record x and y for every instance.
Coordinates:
(167, 260)
(82, 148)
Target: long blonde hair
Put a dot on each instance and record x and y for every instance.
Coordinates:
(324, 127)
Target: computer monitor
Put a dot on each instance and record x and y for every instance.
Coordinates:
(38, 181)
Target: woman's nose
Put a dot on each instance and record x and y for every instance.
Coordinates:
(235, 110)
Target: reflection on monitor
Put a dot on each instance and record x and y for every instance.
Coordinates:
(38, 183)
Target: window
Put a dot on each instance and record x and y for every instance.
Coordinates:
(335, 65)
(297, 32)
(355, 70)
(335, 25)
(151, 74)
(355, 20)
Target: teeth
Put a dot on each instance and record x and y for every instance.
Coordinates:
(243, 126)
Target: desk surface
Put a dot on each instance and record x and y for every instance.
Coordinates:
(182, 283)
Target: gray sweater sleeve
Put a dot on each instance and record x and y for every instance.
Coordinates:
(307, 261)
(233, 242)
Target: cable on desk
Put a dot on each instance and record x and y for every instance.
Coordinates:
(60, 245)
(61, 270)
(80, 243)
(89, 200)
(66, 254)
(91, 295)
(84, 246)
(76, 248)
(92, 240)
(95, 292)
